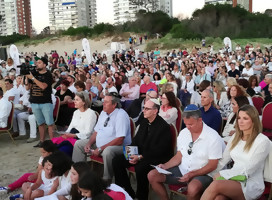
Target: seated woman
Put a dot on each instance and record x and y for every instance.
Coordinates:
(268, 98)
(83, 121)
(229, 128)
(65, 95)
(168, 110)
(248, 148)
(220, 95)
(253, 87)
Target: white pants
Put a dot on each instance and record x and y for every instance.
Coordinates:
(15, 125)
(24, 116)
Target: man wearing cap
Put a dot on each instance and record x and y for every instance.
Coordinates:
(40, 98)
(154, 143)
(199, 148)
(111, 132)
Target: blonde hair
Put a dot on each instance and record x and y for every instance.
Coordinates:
(257, 127)
(231, 81)
(219, 86)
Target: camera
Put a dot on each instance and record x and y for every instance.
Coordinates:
(25, 69)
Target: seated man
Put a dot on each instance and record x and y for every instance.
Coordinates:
(111, 132)
(129, 92)
(199, 148)
(153, 140)
(5, 108)
(136, 107)
(147, 85)
(210, 115)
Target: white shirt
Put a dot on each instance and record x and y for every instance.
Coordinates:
(72, 88)
(170, 116)
(12, 93)
(118, 125)
(249, 163)
(208, 146)
(79, 122)
(5, 108)
(112, 89)
(249, 72)
(189, 86)
(25, 98)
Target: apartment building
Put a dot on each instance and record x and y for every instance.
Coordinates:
(125, 11)
(71, 13)
(247, 4)
(15, 17)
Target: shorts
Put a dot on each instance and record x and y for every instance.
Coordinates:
(43, 113)
(176, 174)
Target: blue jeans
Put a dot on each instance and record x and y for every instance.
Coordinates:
(43, 113)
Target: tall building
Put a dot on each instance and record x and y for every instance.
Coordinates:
(16, 17)
(71, 13)
(124, 10)
(247, 4)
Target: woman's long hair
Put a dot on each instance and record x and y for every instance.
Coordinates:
(256, 123)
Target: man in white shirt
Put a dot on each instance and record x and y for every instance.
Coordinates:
(111, 133)
(199, 149)
(5, 108)
(109, 88)
(12, 95)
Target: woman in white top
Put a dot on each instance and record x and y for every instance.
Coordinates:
(220, 95)
(247, 71)
(248, 148)
(229, 128)
(168, 110)
(83, 121)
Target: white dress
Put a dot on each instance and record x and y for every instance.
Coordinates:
(249, 163)
(47, 183)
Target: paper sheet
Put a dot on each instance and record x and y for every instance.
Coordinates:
(160, 170)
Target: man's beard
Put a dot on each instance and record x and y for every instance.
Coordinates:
(39, 69)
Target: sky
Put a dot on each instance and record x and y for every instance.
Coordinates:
(184, 8)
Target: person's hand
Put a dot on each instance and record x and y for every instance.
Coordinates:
(231, 132)
(87, 148)
(216, 176)
(133, 159)
(30, 76)
(96, 152)
(31, 177)
(162, 166)
(29, 110)
(186, 178)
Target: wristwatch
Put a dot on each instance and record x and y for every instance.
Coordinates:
(33, 78)
(100, 150)
(139, 157)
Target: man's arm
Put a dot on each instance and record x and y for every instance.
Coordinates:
(211, 166)
(40, 84)
(116, 142)
(91, 141)
(174, 161)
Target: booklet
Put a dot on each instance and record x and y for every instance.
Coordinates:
(160, 170)
(130, 150)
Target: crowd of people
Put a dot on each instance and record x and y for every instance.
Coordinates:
(209, 93)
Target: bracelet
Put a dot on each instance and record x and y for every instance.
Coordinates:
(139, 157)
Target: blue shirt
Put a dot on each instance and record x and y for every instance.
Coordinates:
(212, 118)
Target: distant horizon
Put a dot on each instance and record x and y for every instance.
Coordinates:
(40, 17)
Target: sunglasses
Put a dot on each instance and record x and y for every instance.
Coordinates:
(190, 151)
(106, 122)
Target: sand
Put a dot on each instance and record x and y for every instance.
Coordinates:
(16, 160)
(69, 45)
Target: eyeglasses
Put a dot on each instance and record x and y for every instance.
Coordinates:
(147, 109)
(106, 122)
(190, 151)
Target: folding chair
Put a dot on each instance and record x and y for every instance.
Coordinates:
(258, 102)
(266, 120)
(10, 123)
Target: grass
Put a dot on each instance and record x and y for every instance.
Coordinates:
(168, 43)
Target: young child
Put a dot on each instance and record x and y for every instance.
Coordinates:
(93, 187)
(47, 148)
(46, 184)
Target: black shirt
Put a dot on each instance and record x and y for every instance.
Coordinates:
(234, 73)
(37, 95)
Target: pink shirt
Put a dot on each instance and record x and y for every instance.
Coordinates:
(135, 92)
